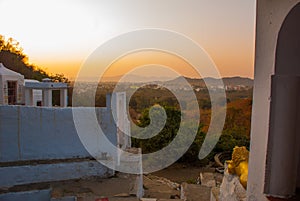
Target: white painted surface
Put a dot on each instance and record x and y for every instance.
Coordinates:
(47, 98)
(32, 97)
(29, 97)
(270, 16)
(34, 133)
(63, 97)
(42, 91)
(40, 133)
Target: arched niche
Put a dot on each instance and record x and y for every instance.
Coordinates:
(282, 169)
(288, 45)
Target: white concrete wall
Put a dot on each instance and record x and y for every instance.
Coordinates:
(37, 133)
(270, 16)
(48, 137)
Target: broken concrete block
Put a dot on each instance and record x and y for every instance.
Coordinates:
(207, 179)
(169, 200)
(67, 198)
(195, 192)
(215, 194)
(231, 189)
(148, 199)
(122, 195)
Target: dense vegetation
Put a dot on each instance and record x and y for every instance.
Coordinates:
(235, 133)
(236, 130)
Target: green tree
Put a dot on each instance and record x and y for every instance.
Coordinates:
(165, 136)
(231, 137)
(168, 133)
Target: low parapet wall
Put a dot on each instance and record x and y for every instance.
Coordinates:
(36, 133)
(39, 144)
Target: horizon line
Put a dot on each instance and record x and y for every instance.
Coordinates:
(166, 77)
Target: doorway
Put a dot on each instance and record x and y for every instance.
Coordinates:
(282, 166)
(12, 92)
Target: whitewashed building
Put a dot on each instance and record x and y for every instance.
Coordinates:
(37, 93)
(14, 90)
(11, 87)
(46, 87)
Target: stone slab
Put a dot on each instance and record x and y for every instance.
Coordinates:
(35, 195)
(207, 179)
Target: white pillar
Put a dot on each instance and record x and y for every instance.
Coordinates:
(29, 97)
(63, 98)
(120, 116)
(47, 98)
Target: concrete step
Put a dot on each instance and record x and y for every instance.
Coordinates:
(29, 174)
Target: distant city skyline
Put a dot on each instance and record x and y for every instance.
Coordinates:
(59, 35)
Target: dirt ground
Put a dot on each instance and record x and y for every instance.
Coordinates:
(182, 173)
(118, 188)
(162, 184)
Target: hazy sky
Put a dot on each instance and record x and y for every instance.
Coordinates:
(58, 35)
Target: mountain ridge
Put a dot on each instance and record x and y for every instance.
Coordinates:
(229, 81)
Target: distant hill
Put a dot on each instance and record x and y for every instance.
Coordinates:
(228, 81)
(135, 78)
(238, 81)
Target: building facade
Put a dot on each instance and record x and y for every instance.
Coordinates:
(11, 87)
(14, 90)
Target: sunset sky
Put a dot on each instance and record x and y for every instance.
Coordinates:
(59, 35)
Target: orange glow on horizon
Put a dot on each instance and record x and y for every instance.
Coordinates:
(144, 58)
(228, 59)
(226, 66)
